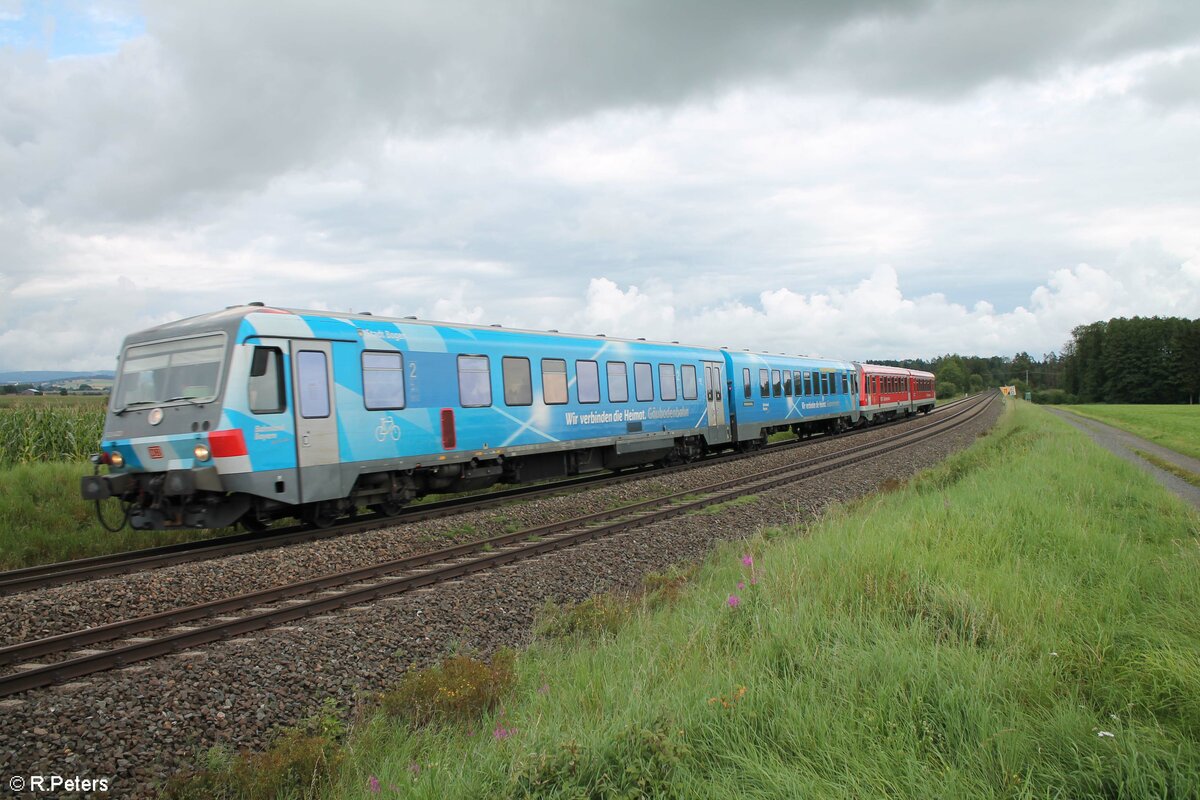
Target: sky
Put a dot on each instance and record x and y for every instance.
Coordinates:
(846, 178)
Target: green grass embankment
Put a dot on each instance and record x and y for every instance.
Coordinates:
(44, 444)
(43, 519)
(1175, 427)
(1019, 621)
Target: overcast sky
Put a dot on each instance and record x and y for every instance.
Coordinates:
(857, 179)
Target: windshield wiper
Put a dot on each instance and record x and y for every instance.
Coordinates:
(196, 401)
(134, 404)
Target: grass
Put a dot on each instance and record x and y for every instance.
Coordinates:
(1017, 622)
(1179, 472)
(43, 518)
(1175, 427)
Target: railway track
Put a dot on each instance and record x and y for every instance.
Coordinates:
(58, 574)
(234, 616)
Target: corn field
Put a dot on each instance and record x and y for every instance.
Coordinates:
(35, 431)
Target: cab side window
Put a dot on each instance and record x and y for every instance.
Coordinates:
(266, 381)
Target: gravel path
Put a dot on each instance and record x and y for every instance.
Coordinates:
(1123, 444)
(138, 725)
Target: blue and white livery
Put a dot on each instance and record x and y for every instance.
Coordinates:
(256, 413)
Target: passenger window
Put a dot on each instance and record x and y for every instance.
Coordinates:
(764, 383)
(808, 387)
(746, 382)
(643, 382)
(776, 384)
(554, 381)
(587, 381)
(688, 372)
(383, 381)
(618, 382)
(518, 383)
(474, 382)
(845, 384)
(787, 383)
(824, 383)
(312, 368)
(666, 382)
(266, 381)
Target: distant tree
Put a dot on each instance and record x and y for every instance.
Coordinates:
(952, 372)
(63, 391)
(975, 382)
(1186, 350)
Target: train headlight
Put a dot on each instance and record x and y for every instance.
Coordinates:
(115, 459)
(201, 452)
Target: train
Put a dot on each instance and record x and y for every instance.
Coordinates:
(253, 413)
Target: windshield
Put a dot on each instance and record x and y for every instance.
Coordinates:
(183, 369)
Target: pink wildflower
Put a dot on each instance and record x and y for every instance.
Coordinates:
(501, 733)
(373, 784)
(544, 688)
(748, 560)
(733, 601)
(741, 585)
(414, 768)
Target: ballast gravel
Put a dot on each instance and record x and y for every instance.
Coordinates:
(142, 724)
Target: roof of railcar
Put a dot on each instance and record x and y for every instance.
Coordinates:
(882, 369)
(229, 318)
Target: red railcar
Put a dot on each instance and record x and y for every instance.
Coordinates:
(888, 392)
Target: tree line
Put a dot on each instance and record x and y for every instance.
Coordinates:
(1136, 360)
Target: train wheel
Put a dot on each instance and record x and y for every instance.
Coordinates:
(321, 515)
(252, 523)
(388, 508)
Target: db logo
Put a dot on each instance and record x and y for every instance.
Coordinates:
(155, 451)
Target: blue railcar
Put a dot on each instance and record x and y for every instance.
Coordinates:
(772, 393)
(254, 413)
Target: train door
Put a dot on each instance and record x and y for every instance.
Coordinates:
(714, 392)
(317, 454)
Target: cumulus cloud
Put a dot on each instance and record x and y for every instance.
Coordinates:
(724, 172)
(873, 318)
(220, 97)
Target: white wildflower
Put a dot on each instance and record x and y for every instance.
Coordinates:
(1109, 734)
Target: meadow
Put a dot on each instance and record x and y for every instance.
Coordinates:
(1176, 427)
(1016, 622)
(44, 446)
